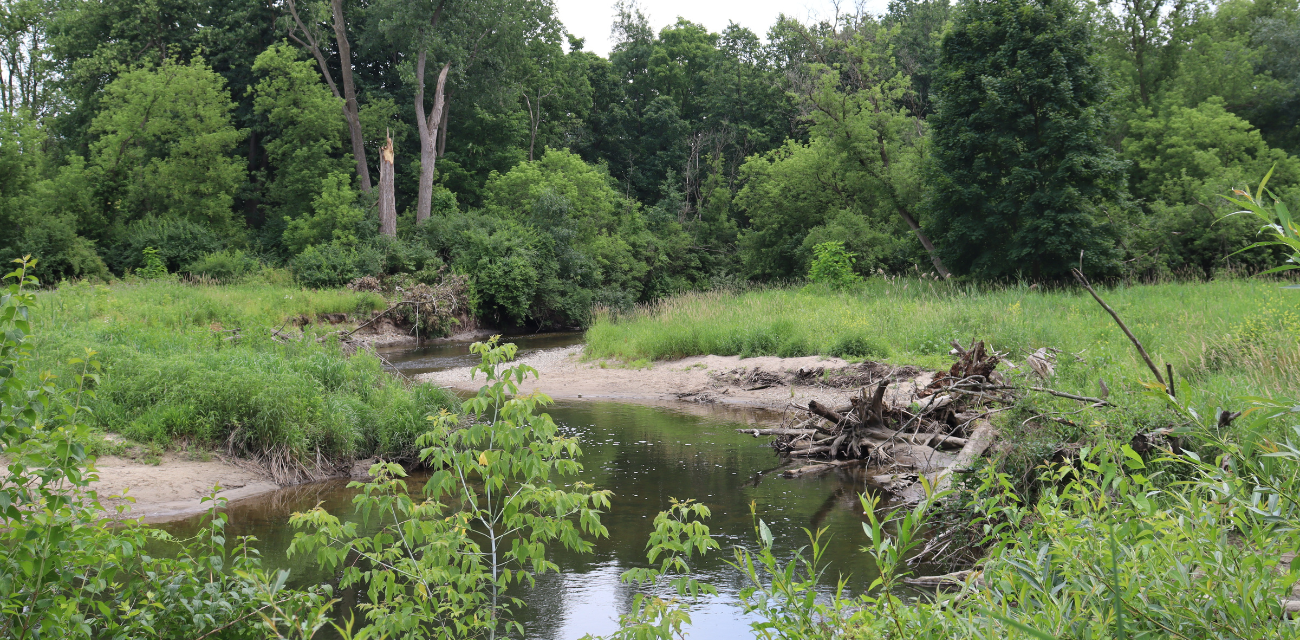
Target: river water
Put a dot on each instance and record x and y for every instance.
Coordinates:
(645, 455)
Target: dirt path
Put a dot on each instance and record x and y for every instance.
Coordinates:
(766, 382)
(174, 488)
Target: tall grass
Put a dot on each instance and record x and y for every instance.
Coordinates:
(174, 375)
(1231, 336)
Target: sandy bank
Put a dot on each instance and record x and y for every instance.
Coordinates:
(174, 488)
(765, 382)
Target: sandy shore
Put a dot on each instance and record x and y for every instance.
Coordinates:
(764, 382)
(174, 488)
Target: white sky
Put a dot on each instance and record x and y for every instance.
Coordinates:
(591, 19)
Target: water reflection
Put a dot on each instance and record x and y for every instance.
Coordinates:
(645, 455)
(440, 356)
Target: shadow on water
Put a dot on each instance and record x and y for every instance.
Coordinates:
(645, 455)
(440, 356)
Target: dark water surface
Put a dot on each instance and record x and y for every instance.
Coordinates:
(645, 455)
(440, 356)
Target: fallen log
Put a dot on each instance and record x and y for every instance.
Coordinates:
(820, 467)
(825, 412)
(930, 439)
(779, 432)
(810, 451)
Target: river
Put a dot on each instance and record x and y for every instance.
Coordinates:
(645, 455)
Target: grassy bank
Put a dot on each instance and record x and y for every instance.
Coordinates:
(1223, 334)
(172, 377)
(1228, 338)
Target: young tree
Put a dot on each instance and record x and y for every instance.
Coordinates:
(1021, 170)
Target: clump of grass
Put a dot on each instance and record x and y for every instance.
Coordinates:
(172, 376)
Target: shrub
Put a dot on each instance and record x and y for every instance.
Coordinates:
(859, 346)
(335, 265)
(179, 242)
(153, 265)
(225, 266)
(833, 265)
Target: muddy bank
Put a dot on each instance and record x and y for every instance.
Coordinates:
(174, 488)
(763, 382)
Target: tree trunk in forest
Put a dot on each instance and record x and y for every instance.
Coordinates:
(429, 125)
(349, 94)
(387, 197)
(925, 242)
(350, 107)
(442, 135)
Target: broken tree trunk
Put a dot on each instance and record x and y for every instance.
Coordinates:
(387, 197)
(429, 127)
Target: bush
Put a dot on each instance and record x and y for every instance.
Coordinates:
(225, 266)
(859, 346)
(833, 265)
(179, 243)
(335, 265)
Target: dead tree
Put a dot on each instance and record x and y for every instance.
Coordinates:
(387, 197)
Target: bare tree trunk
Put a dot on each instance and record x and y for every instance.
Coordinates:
(349, 94)
(387, 197)
(350, 107)
(533, 117)
(429, 127)
(925, 241)
(442, 134)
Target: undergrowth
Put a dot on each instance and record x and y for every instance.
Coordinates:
(196, 364)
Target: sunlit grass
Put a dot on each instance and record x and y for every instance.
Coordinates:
(1232, 336)
(175, 374)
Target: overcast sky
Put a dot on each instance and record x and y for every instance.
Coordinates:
(591, 19)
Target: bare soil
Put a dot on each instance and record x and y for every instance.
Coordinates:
(174, 488)
(762, 382)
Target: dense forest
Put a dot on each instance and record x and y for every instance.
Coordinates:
(984, 140)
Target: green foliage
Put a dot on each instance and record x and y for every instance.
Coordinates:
(1281, 228)
(163, 147)
(335, 264)
(153, 265)
(178, 242)
(1202, 328)
(678, 534)
(228, 267)
(1175, 156)
(186, 363)
(304, 134)
(335, 217)
(490, 508)
(42, 216)
(554, 240)
(65, 566)
(1022, 173)
(832, 265)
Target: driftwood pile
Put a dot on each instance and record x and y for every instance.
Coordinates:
(934, 430)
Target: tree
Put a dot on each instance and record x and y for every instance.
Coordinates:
(24, 66)
(1020, 168)
(857, 107)
(308, 35)
(164, 146)
(303, 134)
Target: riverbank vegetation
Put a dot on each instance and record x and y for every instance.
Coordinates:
(199, 365)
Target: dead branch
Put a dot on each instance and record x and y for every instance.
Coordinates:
(1078, 275)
